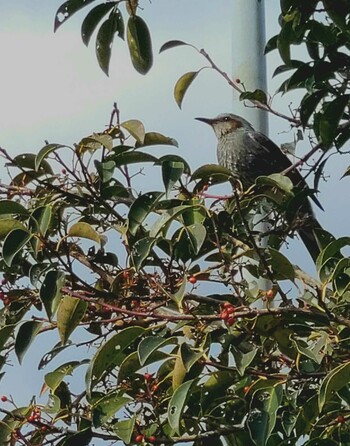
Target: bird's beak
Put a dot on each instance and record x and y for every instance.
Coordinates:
(206, 120)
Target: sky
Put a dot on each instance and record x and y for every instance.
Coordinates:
(51, 87)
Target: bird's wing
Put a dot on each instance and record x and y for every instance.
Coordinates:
(272, 159)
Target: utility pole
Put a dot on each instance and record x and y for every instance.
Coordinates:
(249, 65)
(249, 62)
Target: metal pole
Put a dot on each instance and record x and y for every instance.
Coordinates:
(249, 62)
(249, 65)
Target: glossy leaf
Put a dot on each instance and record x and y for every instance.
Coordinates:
(84, 230)
(151, 344)
(8, 225)
(177, 405)
(105, 36)
(141, 208)
(25, 336)
(50, 291)
(29, 161)
(140, 251)
(69, 314)
(124, 429)
(107, 406)
(171, 173)
(280, 265)
(12, 207)
(172, 44)
(105, 170)
(182, 86)
(110, 355)
(92, 20)
(54, 379)
(155, 139)
(44, 152)
(135, 157)
(67, 9)
(209, 171)
(140, 44)
(333, 382)
(14, 243)
(135, 128)
(333, 113)
(256, 95)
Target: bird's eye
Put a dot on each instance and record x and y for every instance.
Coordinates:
(226, 118)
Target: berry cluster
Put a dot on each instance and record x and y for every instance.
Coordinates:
(227, 313)
(35, 415)
(141, 438)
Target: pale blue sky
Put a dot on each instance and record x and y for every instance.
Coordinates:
(51, 88)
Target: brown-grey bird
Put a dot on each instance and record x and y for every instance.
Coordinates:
(250, 154)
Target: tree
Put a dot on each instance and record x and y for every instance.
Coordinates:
(114, 271)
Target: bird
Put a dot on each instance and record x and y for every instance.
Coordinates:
(249, 154)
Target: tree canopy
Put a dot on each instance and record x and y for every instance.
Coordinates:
(88, 251)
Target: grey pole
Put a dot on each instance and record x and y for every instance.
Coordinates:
(249, 65)
(249, 62)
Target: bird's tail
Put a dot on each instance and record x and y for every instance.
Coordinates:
(314, 237)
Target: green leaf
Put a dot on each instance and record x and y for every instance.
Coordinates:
(54, 379)
(8, 225)
(177, 405)
(107, 407)
(134, 157)
(29, 161)
(5, 334)
(333, 382)
(172, 44)
(281, 267)
(263, 413)
(243, 360)
(140, 45)
(171, 173)
(44, 152)
(197, 235)
(50, 291)
(141, 250)
(14, 243)
(155, 139)
(332, 114)
(124, 429)
(110, 355)
(308, 105)
(92, 19)
(69, 314)
(26, 334)
(210, 172)
(105, 170)
(12, 207)
(151, 344)
(182, 85)
(84, 230)
(135, 128)
(141, 208)
(131, 363)
(176, 158)
(105, 37)
(189, 356)
(67, 9)
(256, 95)
(180, 293)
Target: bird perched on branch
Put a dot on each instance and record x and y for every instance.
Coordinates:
(250, 154)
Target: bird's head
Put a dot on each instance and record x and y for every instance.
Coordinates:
(226, 123)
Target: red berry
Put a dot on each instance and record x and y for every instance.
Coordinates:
(139, 438)
(3, 281)
(148, 376)
(341, 419)
(224, 315)
(30, 419)
(227, 305)
(43, 428)
(63, 172)
(205, 187)
(192, 280)
(4, 399)
(238, 80)
(126, 274)
(155, 388)
(230, 321)
(270, 294)
(230, 309)
(2, 295)
(152, 439)
(246, 389)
